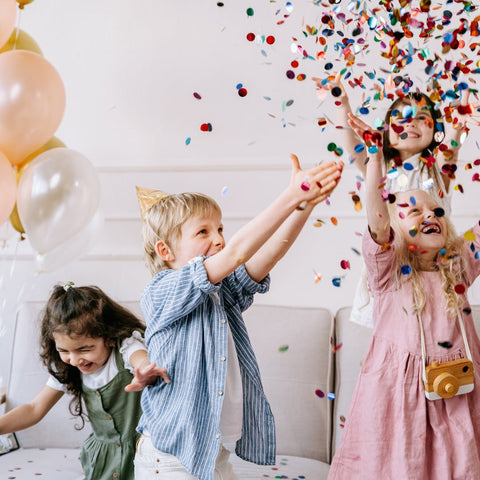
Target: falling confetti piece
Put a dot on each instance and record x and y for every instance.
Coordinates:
(224, 191)
(283, 348)
(187, 141)
(445, 344)
(469, 236)
(334, 221)
(319, 393)
(206, 127)
(345, 264)
(406, 269)
(197, 95)
(460, 289)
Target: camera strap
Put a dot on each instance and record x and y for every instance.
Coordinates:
(424, 349)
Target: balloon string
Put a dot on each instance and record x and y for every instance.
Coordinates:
(17, 27)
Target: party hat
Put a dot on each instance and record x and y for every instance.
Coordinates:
(147, 198)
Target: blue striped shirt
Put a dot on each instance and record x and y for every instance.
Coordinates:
(186, 333)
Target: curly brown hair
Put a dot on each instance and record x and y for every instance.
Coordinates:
(86, 311)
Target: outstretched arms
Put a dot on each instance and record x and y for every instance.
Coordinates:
(30, 413)
(305, 186)
(281, 241)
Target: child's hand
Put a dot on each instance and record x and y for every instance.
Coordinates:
(314, 184)
(334, 86)
(460, 114)
(331, 172)
(370, 137)
(146, 375)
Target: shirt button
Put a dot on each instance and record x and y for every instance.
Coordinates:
(223, 358)
(219, 393)
(217, 435)
(223, 320)
(115, 475)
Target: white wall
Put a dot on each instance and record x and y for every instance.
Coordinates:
(130, 69)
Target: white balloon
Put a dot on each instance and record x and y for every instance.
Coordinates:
(58, 195)
(74, 248)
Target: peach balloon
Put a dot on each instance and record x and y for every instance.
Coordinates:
(8, 187)
(8, 16)
(54, 142)
(32, 103)
(20, 40)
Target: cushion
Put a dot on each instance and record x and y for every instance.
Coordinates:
(352, 341)
(292, 346)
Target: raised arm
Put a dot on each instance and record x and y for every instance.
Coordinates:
(305, 186)
(31, 413)
(458, 117)
(342, 111)
(377, 211)
(281, 241)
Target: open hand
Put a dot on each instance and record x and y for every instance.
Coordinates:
(146, 375)
(319, 181)
(463, 113)
(334, 86)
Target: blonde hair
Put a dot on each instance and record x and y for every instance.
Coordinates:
(164, 220)
(450, 262)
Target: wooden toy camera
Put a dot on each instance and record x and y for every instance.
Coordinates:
(445, 380)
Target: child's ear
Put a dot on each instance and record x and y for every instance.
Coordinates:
(163, 251)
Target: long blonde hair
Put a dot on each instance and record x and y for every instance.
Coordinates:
(450, 262)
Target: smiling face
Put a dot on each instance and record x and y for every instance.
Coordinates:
(200, 235)
(421, 222)
(85, 353)
(411, 129)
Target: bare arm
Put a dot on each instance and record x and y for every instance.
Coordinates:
(281, 241)
(146, 373)
(31, 413)
(304, 186)
(377, 212)
(458, 117)
(343, 110)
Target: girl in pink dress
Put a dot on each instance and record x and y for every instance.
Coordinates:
(399, 425)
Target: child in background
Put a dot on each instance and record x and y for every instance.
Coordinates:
(416, 151)
(91, 345)
(193, 309)
(410, 417)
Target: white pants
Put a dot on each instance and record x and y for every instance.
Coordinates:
(151, 464)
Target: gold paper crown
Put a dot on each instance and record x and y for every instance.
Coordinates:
(147, 198)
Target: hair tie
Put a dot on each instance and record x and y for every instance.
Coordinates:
(68, 286)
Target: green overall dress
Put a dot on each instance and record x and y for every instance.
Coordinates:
(108, 453)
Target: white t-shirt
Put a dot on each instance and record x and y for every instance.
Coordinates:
(108, 371)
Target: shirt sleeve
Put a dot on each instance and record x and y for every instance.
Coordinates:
(173, 294)
(129, 346)
(52, 382)
(379, 261)
(243, 287)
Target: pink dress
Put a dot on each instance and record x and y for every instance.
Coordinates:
(392, 431)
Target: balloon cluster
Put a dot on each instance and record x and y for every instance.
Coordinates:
(49, 193)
